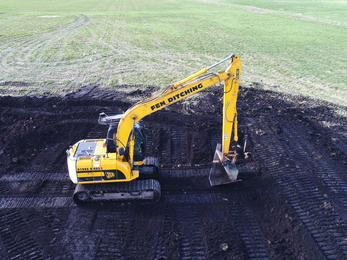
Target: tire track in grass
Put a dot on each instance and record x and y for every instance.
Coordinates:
(56, 40)
(59, 37)
(31, 51)
(44, 51)
(82, 22)
(125, 48)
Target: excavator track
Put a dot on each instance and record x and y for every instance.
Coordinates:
(148, 190)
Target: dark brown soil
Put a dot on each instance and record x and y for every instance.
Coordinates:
(290, 204)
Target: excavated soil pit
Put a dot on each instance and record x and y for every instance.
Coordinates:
(291, 203)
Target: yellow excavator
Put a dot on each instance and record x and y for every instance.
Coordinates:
(117, 168)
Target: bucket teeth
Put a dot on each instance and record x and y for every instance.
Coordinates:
(222, 172)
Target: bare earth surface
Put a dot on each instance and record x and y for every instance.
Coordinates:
(291, 203)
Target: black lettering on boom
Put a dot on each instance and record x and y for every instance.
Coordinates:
(183, 93)
(158, 105)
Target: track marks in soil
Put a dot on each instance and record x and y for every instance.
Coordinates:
(190, 234)
(122, 233)
(199, 208)
(176, 228)
(179, 143)
(35, 190)
(245, 222)
(323, 218)
(78, 239)
(17, 237)
(295, 208)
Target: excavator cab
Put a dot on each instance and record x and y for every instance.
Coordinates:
(140, 144)
(112, 119)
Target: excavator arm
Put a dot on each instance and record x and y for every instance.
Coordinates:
(181, 90)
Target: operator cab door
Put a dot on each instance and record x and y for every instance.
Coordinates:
(140, 145)
(140, 142)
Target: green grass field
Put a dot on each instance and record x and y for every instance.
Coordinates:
(55, 47)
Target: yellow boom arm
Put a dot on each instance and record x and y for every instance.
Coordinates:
(180, 90)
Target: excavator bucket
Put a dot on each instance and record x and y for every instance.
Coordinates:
(222, 172)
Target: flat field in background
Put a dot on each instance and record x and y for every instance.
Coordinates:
(52, 47)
